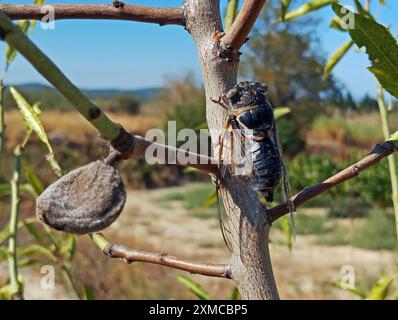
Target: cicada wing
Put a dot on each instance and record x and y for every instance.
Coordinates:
(242, 160)
(223, 221)
(286, 185)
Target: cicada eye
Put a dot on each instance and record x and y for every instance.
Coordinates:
(232, 93)
(265, 87)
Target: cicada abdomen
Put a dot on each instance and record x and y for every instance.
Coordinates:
(267, 167)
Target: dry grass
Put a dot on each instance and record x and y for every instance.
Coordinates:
(74, 126)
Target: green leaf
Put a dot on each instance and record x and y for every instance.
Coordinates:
(33, 122)
(194, 287)
(232, 12)
(336, 57)
(287, 230)
(362, 11)
(5, 292)
(88, 293)
(11, 53)
(355, 291)
(30, 117)
(5, 232)
(380, 289)
(211, 200)
(34, 249)
(336, 24)
(280, 112)
(33, 231)
(33, 179)
(25, 189)
(69, 247)
(235, 294)
(3, 254)
(394, 136)
(191, 170)
(381, 47)
(284, 7)
(27, 27)
(23, 263)
(307, 8)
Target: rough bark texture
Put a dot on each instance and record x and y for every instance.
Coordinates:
(162, 16)
(248, 221)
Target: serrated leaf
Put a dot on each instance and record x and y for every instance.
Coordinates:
(33, 122)
(30, 117)
(280, 112)
(362, 11)
(307, 8)
(194, 287)
(380, 289)
(336, 58)
(381, 46)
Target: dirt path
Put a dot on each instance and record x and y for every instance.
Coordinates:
(307, 272)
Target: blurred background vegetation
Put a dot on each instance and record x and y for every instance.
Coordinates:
(326, 130)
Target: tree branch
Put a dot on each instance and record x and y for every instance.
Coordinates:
(162, 16)
(236, 35)
(379, 152)
(114, 250)
(124, 145)
(165, 154)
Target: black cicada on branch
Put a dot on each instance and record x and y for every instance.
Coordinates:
(250, 144)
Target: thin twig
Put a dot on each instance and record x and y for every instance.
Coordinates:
(162, 16)
(378, 153)
(237, 34)
(128, 255)
(166, 155)
(391, 159)
(2, 127)
(15, 282)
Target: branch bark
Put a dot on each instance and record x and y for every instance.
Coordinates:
(162, 16)
(172, 155)
(114, 250)
(379, 152)
(250, 262)
(236, 35)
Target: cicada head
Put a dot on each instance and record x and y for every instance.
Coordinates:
(250, 106)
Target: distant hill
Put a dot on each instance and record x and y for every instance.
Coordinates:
(145, 93)
(52, 99)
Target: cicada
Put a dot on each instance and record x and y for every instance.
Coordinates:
(249, 145)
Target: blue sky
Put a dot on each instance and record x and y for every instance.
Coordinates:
(130, 55)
